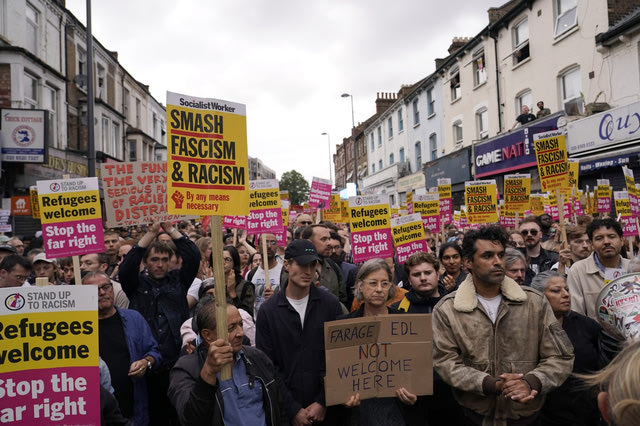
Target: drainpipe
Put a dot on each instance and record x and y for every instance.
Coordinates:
(495, 54)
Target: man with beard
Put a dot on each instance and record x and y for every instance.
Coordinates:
(257, 275)
(349, 270)
(95, 262)
(128, 348)
(579, 248)
(498, 365)
(516, 266)
(587, 276)
(539, 259)
(329, 274)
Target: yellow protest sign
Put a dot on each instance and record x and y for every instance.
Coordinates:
(603, 191)
(284, 204)
(35, 206)
(551, 157)
(428, 205)
(444, 193)
(517, 189)
(207, 164)
(481, 199)
(537, 204)
(410, 202)
(370, 220)
(574, 170)
(334, 212)
(344, 211)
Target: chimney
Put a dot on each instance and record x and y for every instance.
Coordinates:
(383, 101)
(457, 43)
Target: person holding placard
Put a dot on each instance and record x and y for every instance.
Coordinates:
(450, 255)
(257, 276)
(497, 344)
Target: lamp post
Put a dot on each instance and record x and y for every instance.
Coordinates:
(353, 138)
(329, 145)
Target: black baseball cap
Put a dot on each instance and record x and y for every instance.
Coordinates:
(302, 252)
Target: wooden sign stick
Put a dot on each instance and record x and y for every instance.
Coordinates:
(220, 287)
(265, 262)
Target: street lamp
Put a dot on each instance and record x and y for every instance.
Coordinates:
(353, 137)
(329, 144)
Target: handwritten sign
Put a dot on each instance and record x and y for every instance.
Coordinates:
(444, 193)
(481, 199)
(207, 164)
(375, 356)
(551, 157)
(265, 209)
(319, 193)
(71, 217)
(428, 205)
(369, 216)
(517, 189)
(408, 236)
(49, 355)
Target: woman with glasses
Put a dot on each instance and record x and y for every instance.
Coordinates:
(241, 291)
(374, 288)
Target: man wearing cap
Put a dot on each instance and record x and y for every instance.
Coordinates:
(14, 271)
(44, 267)
(6, 250)
(289, 329)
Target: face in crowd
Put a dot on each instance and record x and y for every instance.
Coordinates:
(531, 233)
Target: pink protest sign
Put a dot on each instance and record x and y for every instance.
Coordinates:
(444, 194)
(428, 205)
(408, 236)
(370, 219)
(49, 371)
(623, 209)
(71, 217)
(320, 193)
(265, 211)
(239, 222)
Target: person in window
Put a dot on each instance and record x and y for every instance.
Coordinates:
(542, 111)
(523, 118)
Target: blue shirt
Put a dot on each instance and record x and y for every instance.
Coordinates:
(242, 397)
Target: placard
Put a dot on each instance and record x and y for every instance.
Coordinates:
(71, 217)
(49, 355)
(333, 213)
(319, 193)
(370, 220)
(630, 183)
(603, 195)
(408, 236)
(446, 205)
(481, 200)
(375, 356)
(517, 189)
(551, 157)
(35, 205)
(265, 213)
(238, 222)
(135, 193)
(24, 135)
(623, 209)
(207, 164)
(428, 205)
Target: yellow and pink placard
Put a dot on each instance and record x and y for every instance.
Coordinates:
(370, 220)
(408, 236)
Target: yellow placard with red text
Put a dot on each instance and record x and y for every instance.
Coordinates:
(551, 157)
(517, 189)
(481, 200)
(333, 213)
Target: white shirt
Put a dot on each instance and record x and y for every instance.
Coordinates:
(259, 281)
(300, 305)
(491, 306)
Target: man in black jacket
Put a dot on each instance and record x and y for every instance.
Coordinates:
(422, 270)
(539, 259)
(197, 392)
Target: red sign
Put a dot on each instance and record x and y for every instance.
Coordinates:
(21, 205)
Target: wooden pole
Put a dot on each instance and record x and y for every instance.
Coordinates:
(517, 227)
(265, 262)
(220, 288)
(560, 203)
(77, 276)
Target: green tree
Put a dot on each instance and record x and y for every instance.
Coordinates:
(297, 186)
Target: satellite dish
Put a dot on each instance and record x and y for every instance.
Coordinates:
(80, 80)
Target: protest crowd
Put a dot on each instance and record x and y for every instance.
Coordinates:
(516, 333)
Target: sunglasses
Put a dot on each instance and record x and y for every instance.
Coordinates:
(533, 232)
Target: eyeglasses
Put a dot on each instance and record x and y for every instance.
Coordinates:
(22, 278)
(533, 232)
(374, 284)
(104, 287)
(306, 223)
(228, 259)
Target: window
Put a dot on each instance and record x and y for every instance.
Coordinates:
(524, 99)
(391, 159)
(521, 42)
(102, 82)
(431, 103)
(373, 168)
(33, 25)
(418, 148)
(400, 122)
(571, 87)
(380, 164)
(373, 144)
(82, 61)
(105, 135)
(155, 126)
(416, 113)
(50, 103)
(433, 146)
(30, 92)
(567, 16)
(115, 139)
(401, 155)
(482, 123)
(127, 99)
(133, 150)
(457, 132)
(479, 70)
(390, 125)
(138, 113)
(454, 82)
(379, 135)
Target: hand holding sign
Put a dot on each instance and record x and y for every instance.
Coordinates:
(219, 353)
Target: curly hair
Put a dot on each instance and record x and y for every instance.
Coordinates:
(493, 233)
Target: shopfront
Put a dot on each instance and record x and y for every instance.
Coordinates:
(457, 167)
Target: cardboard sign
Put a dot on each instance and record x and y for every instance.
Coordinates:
(35, 205)
(517, 189)
(623, 209)
(320, 193)
(333, 213)
(207, 164)
(551, 157)
(370, 219)
(428, 205)
(238, 222)
(603, 195)
(21, 205)
(265, 213)
(71, 217)
(481, 199)
(375, 356)
(49, 371)
(444, 193)
(408, 236)
(135, 193)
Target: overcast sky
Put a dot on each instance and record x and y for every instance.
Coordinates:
(287, 60)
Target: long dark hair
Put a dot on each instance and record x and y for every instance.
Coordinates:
(236, 261)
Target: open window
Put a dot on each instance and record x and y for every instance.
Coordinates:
(521, 42)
